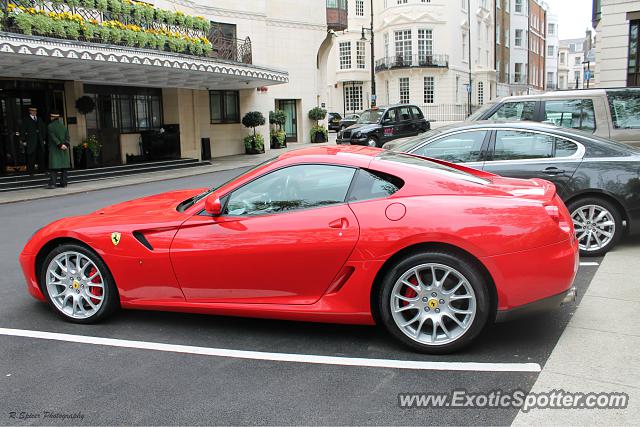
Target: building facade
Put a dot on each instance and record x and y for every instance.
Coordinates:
(552, 52)
(577, 63)
(617, 52)
(159, 84)
(537, 45)
(503, 46)
(519, 54)
(425, 52)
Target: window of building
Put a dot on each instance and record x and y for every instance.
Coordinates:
(507, 37)
(429, 90)
(464, 5)
(551, 51)
(633, 67)
(465, 51)
(498, 34)
(563, 58)
(518, 38)
(224, 106)
(401, 1)
(552, 29)
(550, 78)
(127, 109)
(345, 55)
(571, 113)
(403, 46)
(425, 46)
(480, 93)
(360, 53)
(353, 98)
(578, 60)
(359, 7)
(518, 6)
(404, 90)
(576, 77)
(385, 39)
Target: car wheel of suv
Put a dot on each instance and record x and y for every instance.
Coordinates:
(78, 285)
(598, 225)
(372, 141)
(435, 302)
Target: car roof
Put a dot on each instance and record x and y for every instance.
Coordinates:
(555, 94)
(331, 152)
(498, 124)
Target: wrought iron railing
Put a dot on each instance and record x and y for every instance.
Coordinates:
(141, 26)
(408, 61)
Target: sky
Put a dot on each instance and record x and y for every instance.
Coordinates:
(574, 17)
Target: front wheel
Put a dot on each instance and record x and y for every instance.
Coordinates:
(372, 142)
(598, 225)
(78, 285)
(434, 302)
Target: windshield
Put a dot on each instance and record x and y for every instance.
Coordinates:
(478, 114)
(407, 145)
(370, 116)
(195, 199)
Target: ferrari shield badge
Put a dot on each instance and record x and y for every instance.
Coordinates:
(115, 238)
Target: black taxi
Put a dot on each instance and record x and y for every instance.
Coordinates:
(379, 125)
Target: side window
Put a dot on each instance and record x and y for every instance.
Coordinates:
(374, 185)
(417, 113)
(625, 108)
(571, 113)
(404, 114)
(565, 148)
(292, 188)
(391, 115)
(518, 145)
(524, 110)
(458, 148)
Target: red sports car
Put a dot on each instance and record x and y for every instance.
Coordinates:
(432, 250)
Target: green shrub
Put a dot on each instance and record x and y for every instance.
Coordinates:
(89, 4)
(254, 144)
(278, 118)
(24, 23)
(253, 119)
(319, 129)
(102, 5)
(317, 114)
(115, 6)
(72, 29)
(129, 37)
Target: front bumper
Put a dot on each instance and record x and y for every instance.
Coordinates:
(353, 141)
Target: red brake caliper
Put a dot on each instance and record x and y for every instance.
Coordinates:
(408, 292)
(95, 290)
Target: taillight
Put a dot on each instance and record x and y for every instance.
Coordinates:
(554, 212)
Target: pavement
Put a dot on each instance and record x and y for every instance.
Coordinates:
(598, 350)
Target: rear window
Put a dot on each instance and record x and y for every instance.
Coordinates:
(625, 108)
(417, 162)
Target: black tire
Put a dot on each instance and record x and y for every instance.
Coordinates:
(462, 265)
(111, 299)
(617, 218)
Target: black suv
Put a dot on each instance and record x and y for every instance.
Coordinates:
(383, 124)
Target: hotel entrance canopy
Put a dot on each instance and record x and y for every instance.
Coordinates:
(35, 57)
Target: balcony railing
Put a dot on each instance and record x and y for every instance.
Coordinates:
(122, 23)
(409, 61)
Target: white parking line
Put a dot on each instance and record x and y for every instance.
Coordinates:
(279, 357)
(588, 264)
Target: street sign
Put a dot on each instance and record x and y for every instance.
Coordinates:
(588, 75)
(467, 86)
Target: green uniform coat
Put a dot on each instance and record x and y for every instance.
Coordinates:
(58, 135)
(33, 133)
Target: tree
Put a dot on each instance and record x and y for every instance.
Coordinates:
(253, 119)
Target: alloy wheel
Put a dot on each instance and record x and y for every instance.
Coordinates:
(433, 304)
(595, 227)
(75, 285)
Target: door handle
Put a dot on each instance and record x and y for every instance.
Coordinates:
(339, 223)
(553, 171)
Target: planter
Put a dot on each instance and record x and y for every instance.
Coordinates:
(319, 137)
(253, 150)
(84, 158)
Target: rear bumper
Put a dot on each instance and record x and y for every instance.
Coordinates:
(547, 304)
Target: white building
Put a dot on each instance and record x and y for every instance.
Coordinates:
(519, 63)
(617, 24)
(422, 51)
(552, 51)
(577, 63)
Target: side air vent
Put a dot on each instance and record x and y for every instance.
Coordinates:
(140, 237)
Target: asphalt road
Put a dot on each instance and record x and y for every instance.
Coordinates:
(112, 385)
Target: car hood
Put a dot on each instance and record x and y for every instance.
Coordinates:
(152, 204)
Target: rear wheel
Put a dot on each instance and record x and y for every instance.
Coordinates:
(78, 285)
(434, 302)
(598, 225)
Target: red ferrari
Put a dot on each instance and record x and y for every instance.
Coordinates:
(431, 250)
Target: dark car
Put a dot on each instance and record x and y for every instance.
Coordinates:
(598, 179)
(382, 124)
(334, 121)
(349, 120)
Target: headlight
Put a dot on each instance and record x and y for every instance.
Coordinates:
(356, 135)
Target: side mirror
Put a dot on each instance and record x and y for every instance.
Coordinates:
(212, 205)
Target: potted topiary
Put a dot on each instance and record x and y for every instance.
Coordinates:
(253, 144)
(318, 133)
(278, 136)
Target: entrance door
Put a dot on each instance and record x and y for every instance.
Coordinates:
(102, 123)
(291, 125)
